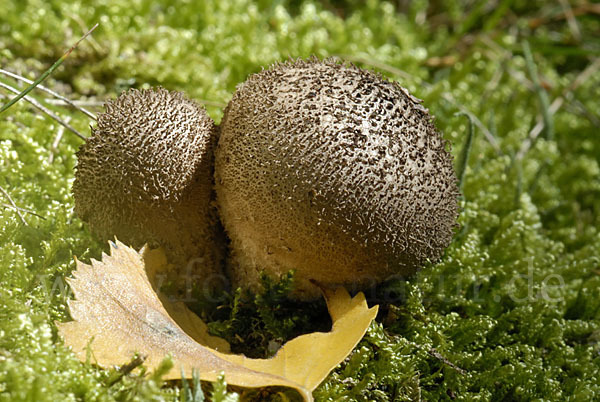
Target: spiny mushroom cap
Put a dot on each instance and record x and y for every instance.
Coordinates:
(331, 170)
(145, 175)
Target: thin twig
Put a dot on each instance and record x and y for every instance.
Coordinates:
(45, 110)
(124, 370)
(59, 135)
(27, 211)
(12, 203)
(47, 72)
(571, 21)
(99, 103)
(77, 102)
(585, 74)
(51, 92)
(95, 45)
(433, 352)
(584, 9)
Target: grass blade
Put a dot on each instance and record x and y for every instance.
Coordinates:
(13, 205)
(466, 149)
(47, 72)
(51, 92)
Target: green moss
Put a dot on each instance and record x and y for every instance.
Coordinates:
(258, 324)
(512, 312)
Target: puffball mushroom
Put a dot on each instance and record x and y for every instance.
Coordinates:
(334, 172)
(146, 176)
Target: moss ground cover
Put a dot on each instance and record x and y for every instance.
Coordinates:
(512, 312)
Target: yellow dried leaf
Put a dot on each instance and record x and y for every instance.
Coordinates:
(117, 313)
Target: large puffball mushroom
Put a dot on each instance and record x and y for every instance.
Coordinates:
(334, 172)
(146, 176)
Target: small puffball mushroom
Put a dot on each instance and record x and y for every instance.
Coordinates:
(146, 176)
(334, 172)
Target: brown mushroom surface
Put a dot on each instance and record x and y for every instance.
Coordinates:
(146, 176)
(332, 171)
